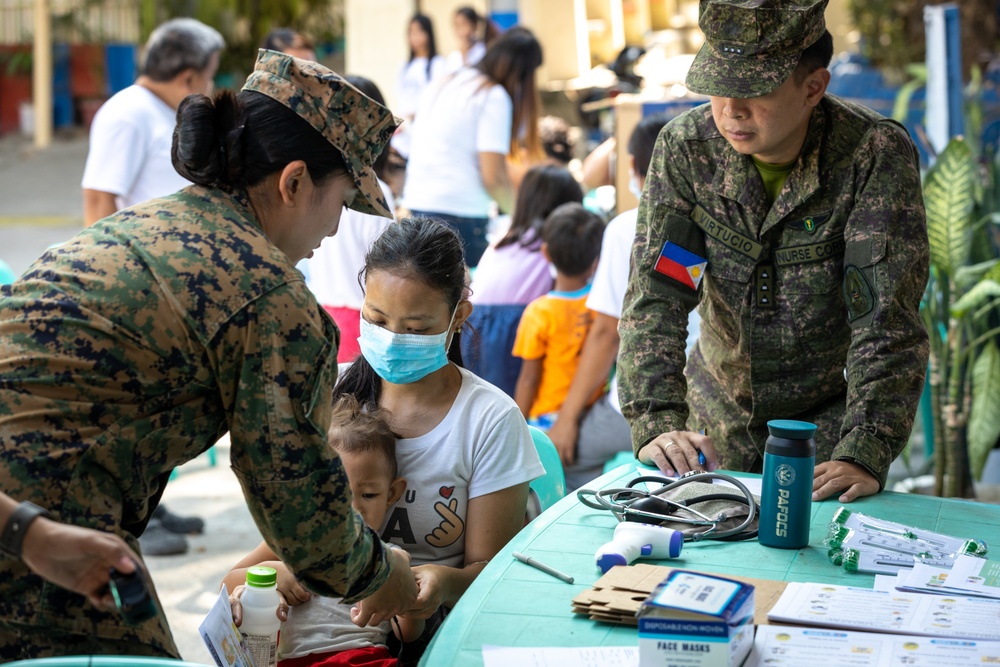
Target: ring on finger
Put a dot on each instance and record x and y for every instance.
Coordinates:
(670, 444)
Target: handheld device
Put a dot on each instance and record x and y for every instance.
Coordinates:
(132, 593)
(634, 540)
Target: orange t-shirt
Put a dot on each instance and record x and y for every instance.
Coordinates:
(553, 328)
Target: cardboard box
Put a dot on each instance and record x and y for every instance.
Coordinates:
(694, 619)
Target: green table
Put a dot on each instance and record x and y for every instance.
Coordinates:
(512, 604)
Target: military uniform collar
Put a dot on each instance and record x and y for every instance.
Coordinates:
(803, 180)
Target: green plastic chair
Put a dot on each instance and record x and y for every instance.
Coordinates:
(103, 661)
(550, 487)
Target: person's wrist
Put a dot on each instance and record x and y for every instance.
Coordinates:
(23, 531)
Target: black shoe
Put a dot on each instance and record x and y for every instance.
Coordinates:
(182, 525)
(156, 540)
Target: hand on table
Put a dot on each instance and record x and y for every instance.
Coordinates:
(676, 453)
(563, 434)
(395, 597)
(851, 479)
(77, 558)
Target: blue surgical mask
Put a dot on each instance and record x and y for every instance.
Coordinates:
(404, 358)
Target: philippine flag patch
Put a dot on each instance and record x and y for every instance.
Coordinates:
(685, 267)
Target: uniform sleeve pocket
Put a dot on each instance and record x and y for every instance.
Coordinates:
(317, 400)
(861, 284)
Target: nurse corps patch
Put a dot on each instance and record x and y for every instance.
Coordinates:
(685, 267)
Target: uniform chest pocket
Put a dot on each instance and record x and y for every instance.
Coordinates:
(810, 269)
(728, 264)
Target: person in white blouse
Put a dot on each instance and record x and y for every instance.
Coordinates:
(424, 66)
(475, 33)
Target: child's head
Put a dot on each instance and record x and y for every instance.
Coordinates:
(557, 143)
(416, 302)
(642, 141)
(572, 238)
(543, 189)
(367, 448)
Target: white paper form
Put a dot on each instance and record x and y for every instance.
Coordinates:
(221, 637)
(976, 575)
(551, 656)
(777, 646)
(896, 612)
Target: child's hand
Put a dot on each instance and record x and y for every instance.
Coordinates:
(289, 587)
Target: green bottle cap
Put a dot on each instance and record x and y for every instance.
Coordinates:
(791, 429)
(851, 557)
(262, 577)
(841, 515)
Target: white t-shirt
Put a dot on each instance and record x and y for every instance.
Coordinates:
(332, 271)
(481, 446)
(129, 153)
(323, 625)
(458, 118)
(412, 82)
(456, 61)
(607, 292)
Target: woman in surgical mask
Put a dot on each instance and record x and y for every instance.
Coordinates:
(462, 444)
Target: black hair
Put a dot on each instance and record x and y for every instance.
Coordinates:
(368, 88)
(280, 39)
(573, 237)
(357, 429)
(426, 250)
(511, 62)
(425, 24)
(178, 45)
(236, 141)
(554, 133)
(643, 139)
(486, 30)
(543, 189)
(816, 56)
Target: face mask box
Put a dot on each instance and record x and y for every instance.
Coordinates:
(696, 620)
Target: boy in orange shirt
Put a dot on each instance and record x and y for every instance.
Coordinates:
(554, 326)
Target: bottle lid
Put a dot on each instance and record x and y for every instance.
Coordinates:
(262, 577)
(791, 429)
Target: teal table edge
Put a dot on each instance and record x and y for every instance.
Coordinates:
(923, 511)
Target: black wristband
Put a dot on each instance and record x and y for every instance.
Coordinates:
(12, 538)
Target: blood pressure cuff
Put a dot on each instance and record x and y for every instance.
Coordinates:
(729, 513)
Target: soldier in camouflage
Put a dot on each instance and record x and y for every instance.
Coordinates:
(133, 347)
(794, 221)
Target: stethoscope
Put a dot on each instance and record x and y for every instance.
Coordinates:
(632, 504)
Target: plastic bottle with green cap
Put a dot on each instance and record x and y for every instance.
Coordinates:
(260, 624)
(786, 487)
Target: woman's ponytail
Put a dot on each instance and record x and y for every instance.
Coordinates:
(207, 147)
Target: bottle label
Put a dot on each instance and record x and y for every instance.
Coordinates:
(263, 649)
(784, 474)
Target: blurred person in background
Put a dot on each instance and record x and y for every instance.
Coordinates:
(129, 157)
(289, 41)
(332, 272)
(129, 163)
(475, 33)
(423, 67)
(587, 433)
(512, 273)
(467, 126)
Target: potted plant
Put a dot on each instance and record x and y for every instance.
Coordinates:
(961, 309)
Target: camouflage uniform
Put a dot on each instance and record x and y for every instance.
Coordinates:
(829, 276)
(130, 350)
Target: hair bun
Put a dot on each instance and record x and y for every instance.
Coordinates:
(204, 139)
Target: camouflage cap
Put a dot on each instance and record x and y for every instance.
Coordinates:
(752, 46)
(353, 123)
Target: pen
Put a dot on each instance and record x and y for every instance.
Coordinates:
(701, 455)
(541, 566)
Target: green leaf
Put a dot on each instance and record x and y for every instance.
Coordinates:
(984, 416)
(949, 197)
(967, 276)
(982, 292)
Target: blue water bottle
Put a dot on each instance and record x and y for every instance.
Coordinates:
(786, 491)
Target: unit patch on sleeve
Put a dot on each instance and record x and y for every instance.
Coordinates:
(685, 267)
